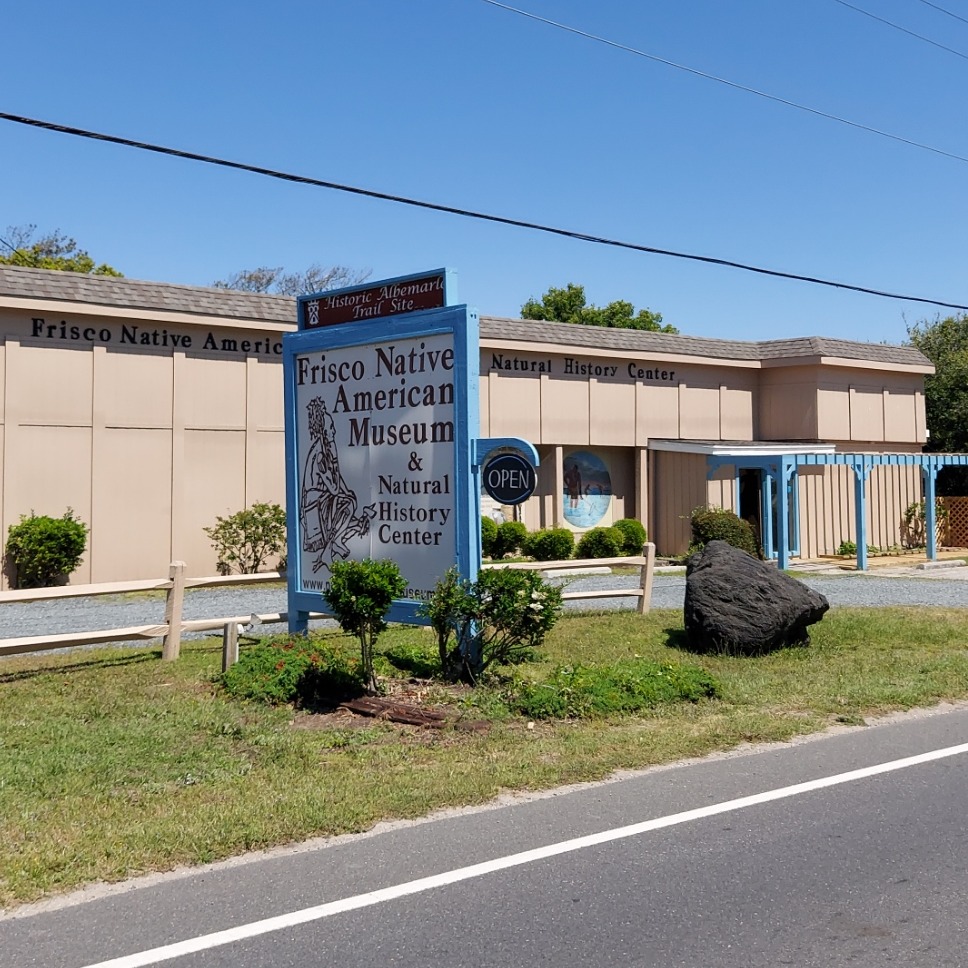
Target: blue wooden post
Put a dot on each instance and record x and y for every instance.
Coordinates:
(861, 470)
(930, 472)
(787, 469)
(766, 511)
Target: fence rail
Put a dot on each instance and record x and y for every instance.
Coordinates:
(644, 562)
(173, 626)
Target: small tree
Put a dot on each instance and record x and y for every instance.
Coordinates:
(248, 539)
(360, 594)
(43, 549)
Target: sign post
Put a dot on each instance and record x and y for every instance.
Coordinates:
(381, 419)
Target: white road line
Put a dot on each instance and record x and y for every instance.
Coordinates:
(218, 938)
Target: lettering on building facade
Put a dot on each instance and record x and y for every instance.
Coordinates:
(637, 371)
(134, 334)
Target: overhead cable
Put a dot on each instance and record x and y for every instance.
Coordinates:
(903, 30)
(943, 10)
(733, 84)
(465, 213)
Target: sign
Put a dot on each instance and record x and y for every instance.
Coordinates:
(380, 417)
(392, 297)
(509, 479)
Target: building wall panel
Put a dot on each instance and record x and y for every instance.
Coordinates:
(212, 393)
(53, 474)
(563, 410)
(866, 414)
(134, 389)
(612, 412)
(699, 412)
(736, 410)
(679, 486)
(212, 485)
(66, 376)
(656, 413)
(131, 521)
(901, 416)
(514, 407)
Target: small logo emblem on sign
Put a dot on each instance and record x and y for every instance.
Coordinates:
(509, 479)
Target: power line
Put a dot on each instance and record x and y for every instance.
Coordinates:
(465, 213)
(15, 251)
(722, 80)
(943, 10)
(903, 30)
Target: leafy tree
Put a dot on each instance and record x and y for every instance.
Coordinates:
(945, 343)
(52, 251)
(568, 305)
(281, 283)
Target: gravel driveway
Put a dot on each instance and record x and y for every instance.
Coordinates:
(947, 588)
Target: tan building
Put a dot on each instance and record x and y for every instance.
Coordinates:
(151, 409)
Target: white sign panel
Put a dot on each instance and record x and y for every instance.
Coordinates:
(375, 428)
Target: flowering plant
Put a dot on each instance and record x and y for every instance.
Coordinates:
(496, 620)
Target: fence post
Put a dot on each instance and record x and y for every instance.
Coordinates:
(173, 611)
(230, 645)
(645, 602)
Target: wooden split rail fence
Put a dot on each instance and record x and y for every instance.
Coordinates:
(173, 626)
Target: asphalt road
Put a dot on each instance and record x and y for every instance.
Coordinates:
(796, 854)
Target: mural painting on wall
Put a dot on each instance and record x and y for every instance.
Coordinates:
(588, 489)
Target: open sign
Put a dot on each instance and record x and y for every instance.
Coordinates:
(509, 479)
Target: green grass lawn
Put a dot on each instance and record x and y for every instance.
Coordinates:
(114, 763)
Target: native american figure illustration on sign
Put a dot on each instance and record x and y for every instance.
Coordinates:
(327, 507)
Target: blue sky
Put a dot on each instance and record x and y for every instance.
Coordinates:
(464, 104)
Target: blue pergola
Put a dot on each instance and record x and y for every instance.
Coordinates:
(779, 472)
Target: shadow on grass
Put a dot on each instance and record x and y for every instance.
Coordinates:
(99, 663)
(679, 639)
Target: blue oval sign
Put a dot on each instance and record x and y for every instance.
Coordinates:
(509, 479)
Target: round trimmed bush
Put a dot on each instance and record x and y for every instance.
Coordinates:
(45, 550)
(551, 544)
(488, 536)
(718, 524)
(511, 537)
(633, 535)
(600, 543)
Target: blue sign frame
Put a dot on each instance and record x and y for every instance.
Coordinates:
(462, 326)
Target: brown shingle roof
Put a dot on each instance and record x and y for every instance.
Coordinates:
(133, 294)
(229, 304)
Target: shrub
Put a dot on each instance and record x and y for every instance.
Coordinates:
(488, 536)
(247, 539)
(575, 692)
(718, 524)
(551, 544)
(43, 549)
(497, 620)
(444, 607)
(914, 526)
(360, 594)
(850, 548)
(633, 535)
(299, 671)
(600, 543)
(511, 537)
